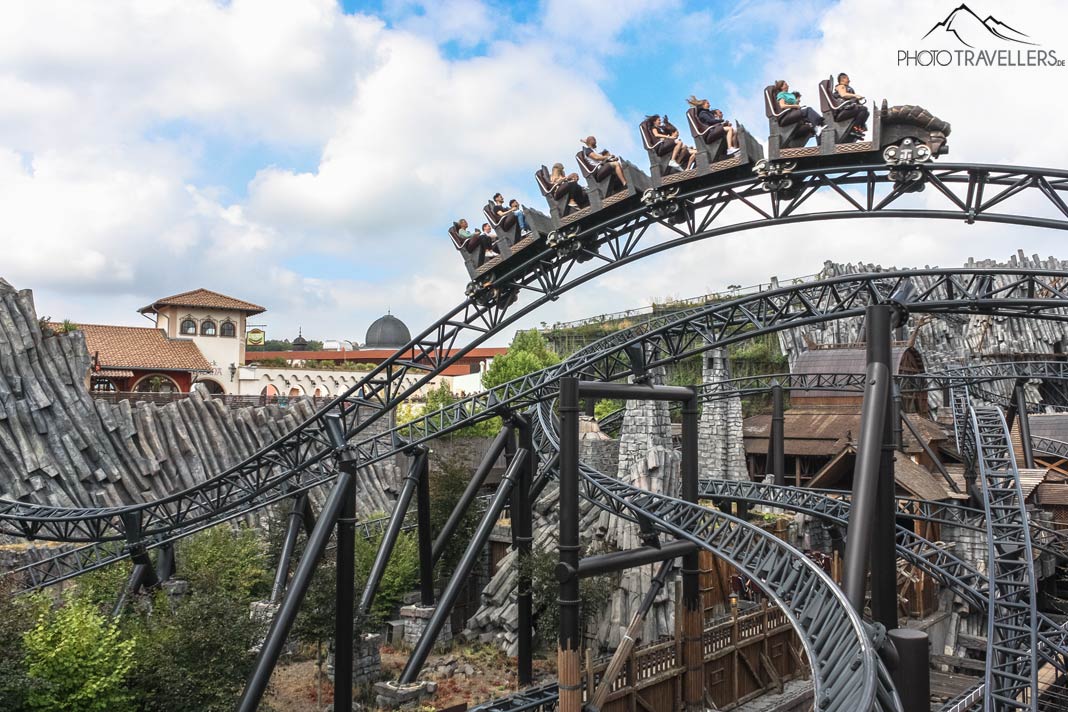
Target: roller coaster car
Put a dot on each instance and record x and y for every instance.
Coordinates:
(711, 146)
(560, 208)
(484, 274)
(788, 127)
(838, 116)
(911, 134)
(608, 191)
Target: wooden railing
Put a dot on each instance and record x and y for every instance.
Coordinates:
(746, 654)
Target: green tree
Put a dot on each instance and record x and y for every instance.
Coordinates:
(442, 397)
(527, 353)
(448, 481)
(78, 661)
(194, 650)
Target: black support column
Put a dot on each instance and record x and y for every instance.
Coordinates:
(693, 625)
(1025, 424)
(777, 440)
(568, 660)
(522, 539)
(345, 591)
(866, 500)
(426, 537)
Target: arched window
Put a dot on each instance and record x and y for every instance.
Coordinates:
(189, 327)
(207, 328)
(228, 329)
(156, 384)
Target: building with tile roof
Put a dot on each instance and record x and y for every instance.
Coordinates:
(132, 358)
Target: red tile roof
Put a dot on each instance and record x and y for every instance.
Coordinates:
(136, 347)
(204, 299)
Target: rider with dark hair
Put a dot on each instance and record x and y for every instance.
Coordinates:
(792, 100)
(852, 109)
(667, 141)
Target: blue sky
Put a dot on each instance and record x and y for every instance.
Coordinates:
(308, 156)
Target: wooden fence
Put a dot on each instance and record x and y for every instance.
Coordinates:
(745, 655)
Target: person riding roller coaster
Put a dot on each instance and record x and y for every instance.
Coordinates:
(711, 120)
(665, 140)
(601, 164)
(852, 108)
(566, 184)
(791, 101)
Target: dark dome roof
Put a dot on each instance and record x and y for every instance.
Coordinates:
(387, 332)
(300, 343)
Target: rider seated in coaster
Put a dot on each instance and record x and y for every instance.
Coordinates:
(664, 141)
(602, 163)
(852, 108)
(567, 184)
(506, 217)
(792, 100)
(471, 241)
(713, 123)
(517, 210)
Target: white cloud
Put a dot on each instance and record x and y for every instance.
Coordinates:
(112, 110)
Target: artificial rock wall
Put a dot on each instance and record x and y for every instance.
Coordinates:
(59, 446)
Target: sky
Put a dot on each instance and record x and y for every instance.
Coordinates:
(309, 155)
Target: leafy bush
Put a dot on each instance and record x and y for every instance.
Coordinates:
(594, 593)
(78, 661)
(442, 397)
(17, 617)
(400, 577)
(527, 353)
(224, 560)
(606, 406)
(448, 481)
(195, 656)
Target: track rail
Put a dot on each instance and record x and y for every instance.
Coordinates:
(1012, 624)
(1032, 293)
(847, 674)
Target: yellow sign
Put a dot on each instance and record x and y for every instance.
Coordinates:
(255, 337)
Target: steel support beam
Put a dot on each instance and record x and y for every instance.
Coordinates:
(620, 560)
(289, 545)
(912, 675)
(474, 485)
(1025, 425)
(522, 540)
(777, 439)
(458, 580)
(569, 636)
(865, 500)
(298, 587)
(344, 612)
(424, 534)
(693, 625)
(393, 529)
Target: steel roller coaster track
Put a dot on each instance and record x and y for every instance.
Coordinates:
(282, 471)
(837, 641)
(971, 193)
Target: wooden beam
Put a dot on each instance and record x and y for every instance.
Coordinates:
(773, 674)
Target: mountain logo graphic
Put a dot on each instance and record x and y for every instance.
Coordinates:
(970, 30)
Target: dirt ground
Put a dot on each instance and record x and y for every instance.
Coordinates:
(467, 674)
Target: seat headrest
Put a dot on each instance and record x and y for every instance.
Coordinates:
(771, 107)
(647, 135)
(826, 99)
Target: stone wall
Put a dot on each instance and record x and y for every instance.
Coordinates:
(721, 450)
